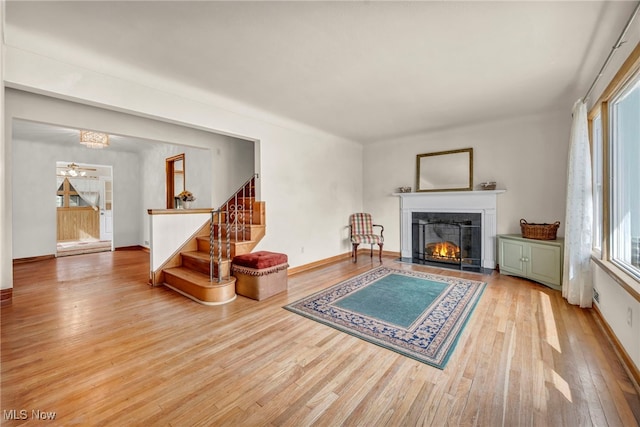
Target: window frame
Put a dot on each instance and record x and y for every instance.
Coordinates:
(631, 84)
(597, 168)
(625, 73)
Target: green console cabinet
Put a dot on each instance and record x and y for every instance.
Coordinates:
(538, 260)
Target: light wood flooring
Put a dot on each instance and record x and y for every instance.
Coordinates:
(87, 338)
(79, 247)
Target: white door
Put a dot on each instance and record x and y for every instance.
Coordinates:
(106, 212)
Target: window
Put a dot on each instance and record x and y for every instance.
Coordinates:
(75, 201)
(68, 197)
(598, 201)
(624, 150)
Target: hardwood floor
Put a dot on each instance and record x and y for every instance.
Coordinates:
(85, 246)
(88, 339)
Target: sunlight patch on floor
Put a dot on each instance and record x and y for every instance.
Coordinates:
(561, 385)
(550, 331)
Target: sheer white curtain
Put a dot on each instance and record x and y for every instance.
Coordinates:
(577, 285)
(88, 189)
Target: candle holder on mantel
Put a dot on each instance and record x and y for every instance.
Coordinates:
(489, 185)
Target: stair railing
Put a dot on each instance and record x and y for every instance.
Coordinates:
(233, 216)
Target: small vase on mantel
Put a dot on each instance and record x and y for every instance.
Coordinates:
(186, 204)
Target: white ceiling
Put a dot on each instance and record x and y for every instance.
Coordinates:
(363, 70)
(52, 134)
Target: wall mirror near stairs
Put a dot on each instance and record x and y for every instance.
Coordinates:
(175, 179)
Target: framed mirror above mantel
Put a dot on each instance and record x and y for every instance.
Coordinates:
(450, 170)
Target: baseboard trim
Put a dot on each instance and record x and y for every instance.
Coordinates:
(32, 259)
(391, 254)
(627, 362)
(334, 259)
(320, 263)
(6, 296)
(132, 248)
(52, 256)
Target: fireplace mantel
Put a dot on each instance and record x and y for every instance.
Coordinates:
(483, 202)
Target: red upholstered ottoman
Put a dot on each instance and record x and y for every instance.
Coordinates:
(260, 275)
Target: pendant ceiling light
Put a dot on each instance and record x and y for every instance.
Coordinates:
(94, 139)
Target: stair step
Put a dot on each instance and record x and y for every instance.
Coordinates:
(236, 248)
(232, 233)
(251, 232)
(199, 261)
(196, 285)
(244, 202)
(247, 197)
(258, 214)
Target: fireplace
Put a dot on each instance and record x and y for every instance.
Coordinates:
(469, 224)
(447, 239)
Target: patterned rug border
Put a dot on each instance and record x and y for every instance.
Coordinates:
(431, 339)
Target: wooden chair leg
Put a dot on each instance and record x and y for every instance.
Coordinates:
(380, 253)
(355, 252)
(371, 255)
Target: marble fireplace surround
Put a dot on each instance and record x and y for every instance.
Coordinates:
(483, 202)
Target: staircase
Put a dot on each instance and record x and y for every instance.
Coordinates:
(203, 272)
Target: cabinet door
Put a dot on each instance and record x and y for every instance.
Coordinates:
(512, 256)
(544, 263)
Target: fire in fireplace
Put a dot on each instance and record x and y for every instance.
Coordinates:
(443, 251)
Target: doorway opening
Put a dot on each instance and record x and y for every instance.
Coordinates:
(84, 208)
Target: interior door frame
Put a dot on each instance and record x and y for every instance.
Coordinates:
(102, 203)
(170, 178)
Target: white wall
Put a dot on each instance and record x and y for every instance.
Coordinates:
(6, 271)
(34, 188)
(233, 166)
(310, 186)
(526, 156)
(34, 210)
(169, 232)
(311, 181)
(138, 184)
(198, 179)
(621, 311)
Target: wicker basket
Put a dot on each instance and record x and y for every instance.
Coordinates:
(539, 231)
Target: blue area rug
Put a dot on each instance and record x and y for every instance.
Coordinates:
(419, 315)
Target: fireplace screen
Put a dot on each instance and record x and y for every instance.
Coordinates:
(447, 239)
